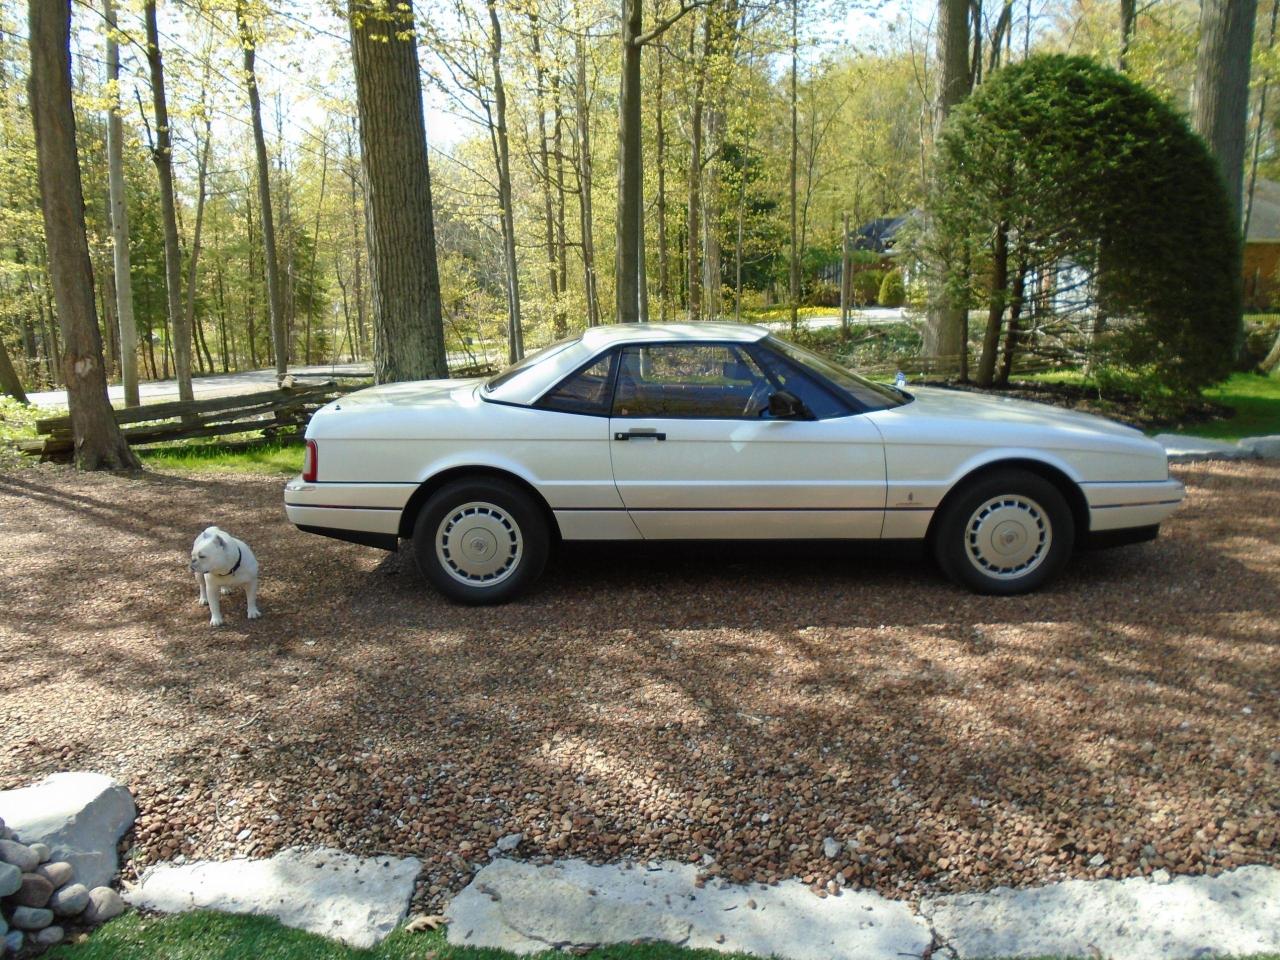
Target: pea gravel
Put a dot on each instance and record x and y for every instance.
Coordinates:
(734, 708)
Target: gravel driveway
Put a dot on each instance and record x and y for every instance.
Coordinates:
(729, 706)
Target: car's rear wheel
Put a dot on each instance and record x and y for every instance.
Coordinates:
(481, 541)
(1007, 532)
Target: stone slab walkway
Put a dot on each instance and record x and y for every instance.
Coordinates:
(1187, 449)
(358, 901)
(525, 908)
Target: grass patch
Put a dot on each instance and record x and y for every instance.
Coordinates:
(17, 422)
(218, 936)
(271, 459)
(1254, 400)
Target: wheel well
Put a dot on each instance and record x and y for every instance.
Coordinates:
(1066, 486)
(409, 516)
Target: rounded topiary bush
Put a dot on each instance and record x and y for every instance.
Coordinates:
(866, 285)
(893, 292)
(1106, 206)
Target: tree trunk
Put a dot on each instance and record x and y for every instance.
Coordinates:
(562, 249)
(162, 154)
(693, 217)
(1015, 317)
(1220, 96)
(1128, 20)
(946, 328)
(846, 280)
(630, 168)
(793, 173)
(271, 263)
(544, 174)
(995, 314)
(202, 179)
(120, 219)
(1257, 134)
(10, 383)
(660, 134)
(98, 441)
(407, 320)
(515, 330)
(584, 186)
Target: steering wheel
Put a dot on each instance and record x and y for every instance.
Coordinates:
(759, 397)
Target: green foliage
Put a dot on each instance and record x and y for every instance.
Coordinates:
(893, 293)
(1260, 332)
(866, 286)
(1092, 172)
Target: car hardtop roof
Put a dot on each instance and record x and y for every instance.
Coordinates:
(600, 337)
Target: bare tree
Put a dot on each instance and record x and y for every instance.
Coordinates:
(408, 324)
(275, 293)
(97, 438)
(162, 155)
(502, 152)
(120, 218)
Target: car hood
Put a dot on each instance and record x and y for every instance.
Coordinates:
(942, 404)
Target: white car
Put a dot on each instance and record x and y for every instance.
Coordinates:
(716, 431)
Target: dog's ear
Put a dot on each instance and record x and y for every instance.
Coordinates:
(219, 541)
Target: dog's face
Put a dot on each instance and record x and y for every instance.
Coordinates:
(211, 552)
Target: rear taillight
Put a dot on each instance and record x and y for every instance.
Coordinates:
(310, 462)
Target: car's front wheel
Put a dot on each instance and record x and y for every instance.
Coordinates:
(481, 541)
(1007, 532)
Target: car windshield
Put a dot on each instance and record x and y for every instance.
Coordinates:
(527, 361)
(871, 395)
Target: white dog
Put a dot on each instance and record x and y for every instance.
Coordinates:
(220, 562)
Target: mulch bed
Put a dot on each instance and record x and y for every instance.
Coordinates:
(732, 707)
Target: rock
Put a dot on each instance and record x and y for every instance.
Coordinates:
(10, 879)
(79, 816)
(104, 903)
(59, 873)
(69, 900)
(570, 905)
(1237, 912)
(509, 842)
(34, 892)
(1097, 860)
(48, 937)
(41, 850)
(31, 918)
(831, 848)
(358, 901)
(19, 855)
(1161, 876)
(13, 941)
(1268, 447)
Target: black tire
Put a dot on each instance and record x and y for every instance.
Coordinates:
(1006, 532)
(481, 541)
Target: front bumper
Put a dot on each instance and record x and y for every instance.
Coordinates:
(1123, 506)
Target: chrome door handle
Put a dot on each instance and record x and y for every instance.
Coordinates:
(640, 435)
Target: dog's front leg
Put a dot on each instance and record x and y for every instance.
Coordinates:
(215, 603)
(200, 581)
(251, 598)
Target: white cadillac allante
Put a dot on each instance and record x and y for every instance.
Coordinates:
(716, 431)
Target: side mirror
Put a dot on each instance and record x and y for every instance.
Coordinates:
(785, 405)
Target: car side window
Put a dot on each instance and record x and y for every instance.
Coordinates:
(818, 400)
(586, 391)
(711, 380)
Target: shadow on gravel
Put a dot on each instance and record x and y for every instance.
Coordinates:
(739, 702)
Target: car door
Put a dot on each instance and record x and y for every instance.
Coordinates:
(696, 456)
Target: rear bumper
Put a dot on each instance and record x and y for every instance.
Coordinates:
(1130, 506)
(366, 513)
